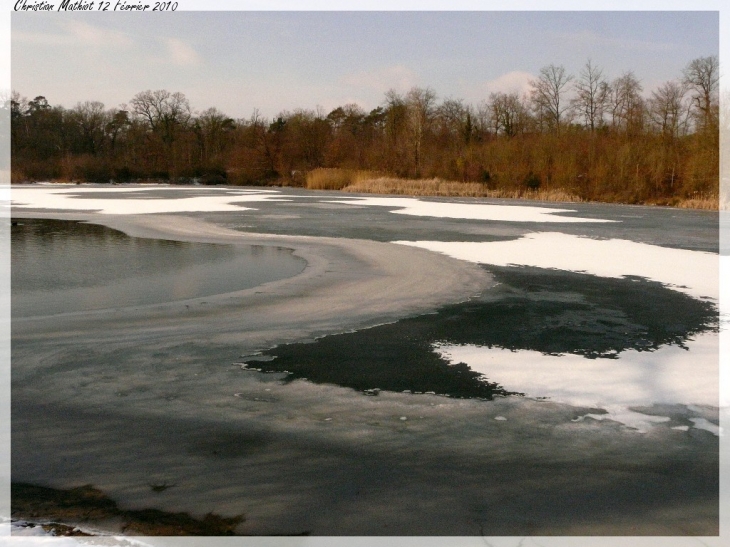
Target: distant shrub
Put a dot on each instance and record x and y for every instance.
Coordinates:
(125, 174)
(87, 168)
(161, 175)
(532, 181)
(97, 172)
(213, 175)
(29, 171)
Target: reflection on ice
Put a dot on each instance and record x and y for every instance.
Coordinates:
(669, 375)
(472, 211)
(692, 272)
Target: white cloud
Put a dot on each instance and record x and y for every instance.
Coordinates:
(512, 82)
(181, 53)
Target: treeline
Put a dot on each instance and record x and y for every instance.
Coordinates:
(595, 137)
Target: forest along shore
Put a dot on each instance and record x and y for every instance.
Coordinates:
(580, 135)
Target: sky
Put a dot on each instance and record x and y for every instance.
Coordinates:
(238, 61)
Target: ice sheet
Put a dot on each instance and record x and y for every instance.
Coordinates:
(693, 272)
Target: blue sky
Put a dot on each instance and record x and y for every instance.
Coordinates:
(238, 61)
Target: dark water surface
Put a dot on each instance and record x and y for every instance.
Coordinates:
(63, 266)
(549, 311)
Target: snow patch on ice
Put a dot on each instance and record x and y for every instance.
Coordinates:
(692, 272)
(472, 211)
(67, 198)
(669, 375)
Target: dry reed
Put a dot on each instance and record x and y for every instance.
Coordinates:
(708, 203)
(439, 187)
(335, 178)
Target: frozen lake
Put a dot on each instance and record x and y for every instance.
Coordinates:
(482, 335)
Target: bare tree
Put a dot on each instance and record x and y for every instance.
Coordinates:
(91, 119)
(18, 114)
(346, 118)
(306, 137)
(668, 109)
(266, 141)
(451, 114)
(420, 106)
(118, 123)
(395, 118)
(164, 112)
(210, 128)
(591, 96)
(456, 119)
(548, 95)
(625, 103)
(702, 76)
(508, 113)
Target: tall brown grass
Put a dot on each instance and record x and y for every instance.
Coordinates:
(444, 188)
(335, 178)
(701, 201)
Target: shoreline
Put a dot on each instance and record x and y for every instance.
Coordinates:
(437, 188)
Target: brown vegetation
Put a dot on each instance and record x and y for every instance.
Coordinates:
(571, 138)
(335, 178)
(438, 187)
